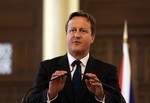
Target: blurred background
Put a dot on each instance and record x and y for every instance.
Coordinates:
(33, 30)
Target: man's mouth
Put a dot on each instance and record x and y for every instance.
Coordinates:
(77, 42)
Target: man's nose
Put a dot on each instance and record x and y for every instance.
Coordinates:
(77, 34)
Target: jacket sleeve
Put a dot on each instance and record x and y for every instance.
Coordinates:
(112, 93)
(39, 93)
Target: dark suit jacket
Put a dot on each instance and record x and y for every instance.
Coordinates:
(105, 72)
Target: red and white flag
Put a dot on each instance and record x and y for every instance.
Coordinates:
(125, 81)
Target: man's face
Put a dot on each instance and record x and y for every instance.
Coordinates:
(79, 37)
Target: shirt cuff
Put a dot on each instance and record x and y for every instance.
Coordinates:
(102, 101)
(49, 101)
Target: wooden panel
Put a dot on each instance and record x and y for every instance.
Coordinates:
(110, 16)
(17, 14)
(20, 25)
(23, 18)
(105, 47)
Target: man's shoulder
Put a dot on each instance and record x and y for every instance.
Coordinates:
(103, 63)
(54, 60)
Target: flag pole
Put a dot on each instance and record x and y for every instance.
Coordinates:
(125, 34)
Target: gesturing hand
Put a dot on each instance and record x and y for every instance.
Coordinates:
(56, 85)
(94, 86)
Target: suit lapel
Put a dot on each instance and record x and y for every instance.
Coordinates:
(92, 66)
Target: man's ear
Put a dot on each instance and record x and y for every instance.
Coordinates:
(92, 39)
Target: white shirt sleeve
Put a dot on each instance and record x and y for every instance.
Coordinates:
(103, 101)
(49, 101)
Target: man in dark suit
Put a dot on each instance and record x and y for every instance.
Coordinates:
(80, 34)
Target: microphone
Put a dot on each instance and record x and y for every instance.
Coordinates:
(37, 86)
(104, 84)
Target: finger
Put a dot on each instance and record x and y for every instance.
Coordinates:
(87, 83)
(90, 75)
(58, 74)
(63, 78)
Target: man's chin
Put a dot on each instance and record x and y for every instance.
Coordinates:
(76, 51)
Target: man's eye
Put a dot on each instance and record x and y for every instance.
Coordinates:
(84, 31)
(72, 30)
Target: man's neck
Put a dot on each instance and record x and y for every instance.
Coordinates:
(78, 56)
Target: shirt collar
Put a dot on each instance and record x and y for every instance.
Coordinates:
(71, 59)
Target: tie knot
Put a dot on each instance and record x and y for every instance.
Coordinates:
(76, 62)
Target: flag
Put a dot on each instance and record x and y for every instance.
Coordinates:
(125, 81)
